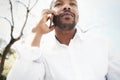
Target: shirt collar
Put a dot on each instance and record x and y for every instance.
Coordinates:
(79, 35)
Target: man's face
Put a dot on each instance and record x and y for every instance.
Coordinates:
(67, 14)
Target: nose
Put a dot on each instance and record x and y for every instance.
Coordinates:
(66, 7)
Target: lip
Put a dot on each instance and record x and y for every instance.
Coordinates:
(67, 14)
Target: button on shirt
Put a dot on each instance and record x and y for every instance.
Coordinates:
(87, 57)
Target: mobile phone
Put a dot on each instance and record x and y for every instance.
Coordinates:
(51, 19)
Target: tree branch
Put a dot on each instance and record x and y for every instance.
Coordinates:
(7, 20)
(34, 5)
(22, 3)
(12, 17)
(29, 3)
(27, 13)
(21, 33)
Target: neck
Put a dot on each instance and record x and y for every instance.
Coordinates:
(64, 36)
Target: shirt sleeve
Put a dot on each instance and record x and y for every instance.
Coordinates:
(29, 65)
(114, 63)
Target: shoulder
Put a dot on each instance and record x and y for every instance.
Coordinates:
(96, 40)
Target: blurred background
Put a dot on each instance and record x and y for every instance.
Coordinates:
(99, 16)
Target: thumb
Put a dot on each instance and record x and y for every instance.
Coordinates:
(52, 27)
(34, 30)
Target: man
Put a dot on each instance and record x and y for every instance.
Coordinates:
(66, 53)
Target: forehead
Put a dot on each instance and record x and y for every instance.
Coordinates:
(53, 2)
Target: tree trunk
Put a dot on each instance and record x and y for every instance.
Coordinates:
(6, 50)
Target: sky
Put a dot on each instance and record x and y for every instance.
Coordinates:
(101, 16)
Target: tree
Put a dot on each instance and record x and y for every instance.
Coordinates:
(12, 25)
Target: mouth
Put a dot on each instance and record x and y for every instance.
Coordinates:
(67, 14)
(66, 17)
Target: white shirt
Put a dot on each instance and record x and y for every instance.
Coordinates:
(86, 58)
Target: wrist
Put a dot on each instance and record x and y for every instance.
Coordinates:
(36, 39)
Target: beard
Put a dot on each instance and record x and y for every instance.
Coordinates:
(63, 26)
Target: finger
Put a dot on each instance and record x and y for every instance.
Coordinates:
(46, 13)
(49, 11)
(45, 17)
(51, 27)
(53, 12)
(48, 18)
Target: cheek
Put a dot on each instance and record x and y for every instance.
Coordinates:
(57, 10)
